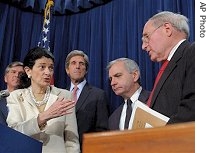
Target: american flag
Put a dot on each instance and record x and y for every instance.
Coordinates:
(44, 40)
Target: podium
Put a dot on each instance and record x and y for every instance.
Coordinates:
(12, 141)
(174, 138)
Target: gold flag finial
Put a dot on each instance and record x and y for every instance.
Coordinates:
(49, 4)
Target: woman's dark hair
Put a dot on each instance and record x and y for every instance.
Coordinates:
(24, 81)
(29, 61)
(34, 54)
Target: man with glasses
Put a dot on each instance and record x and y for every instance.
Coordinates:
(165, 40)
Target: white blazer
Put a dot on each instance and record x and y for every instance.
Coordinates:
(59, 136)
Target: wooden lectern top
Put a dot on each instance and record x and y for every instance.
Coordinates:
(174, 138)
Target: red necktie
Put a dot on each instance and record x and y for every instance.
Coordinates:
(74, 93)
(156, 81)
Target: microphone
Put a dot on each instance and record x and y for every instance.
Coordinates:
(4, 94)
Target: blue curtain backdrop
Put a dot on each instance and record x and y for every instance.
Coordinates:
(105, 30)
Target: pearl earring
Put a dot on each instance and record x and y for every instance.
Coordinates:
(29, 76)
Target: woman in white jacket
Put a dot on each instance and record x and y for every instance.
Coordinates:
(41, 110)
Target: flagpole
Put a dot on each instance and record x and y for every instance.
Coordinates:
(49, 4)
(44, 40)
(45, 34)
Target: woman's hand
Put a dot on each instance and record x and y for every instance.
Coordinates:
(59, 108)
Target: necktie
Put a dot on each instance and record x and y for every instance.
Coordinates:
(74, 93)
(128, 113)
(163, 67)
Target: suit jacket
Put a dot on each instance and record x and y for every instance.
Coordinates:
(174, 95)
(3, 111)
(92, 111)
(114, 119)
(60, 135)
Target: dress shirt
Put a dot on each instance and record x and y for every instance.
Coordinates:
(133, 98)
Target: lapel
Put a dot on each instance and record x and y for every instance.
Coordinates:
(114, 119)
(53, 97)
(169, 69)
(144, 95)
(118, 115)
(3, 107)
(83, 96)
(26, 96)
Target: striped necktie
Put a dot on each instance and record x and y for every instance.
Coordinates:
(74, 93)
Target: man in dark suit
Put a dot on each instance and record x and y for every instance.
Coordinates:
(3, 111)
(124, 75)
(3, 106)
(165, 39)
(92, 103)
(12, 81)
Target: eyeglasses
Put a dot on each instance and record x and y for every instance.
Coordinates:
(146, 38)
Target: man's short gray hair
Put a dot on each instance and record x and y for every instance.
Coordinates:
(13, 64)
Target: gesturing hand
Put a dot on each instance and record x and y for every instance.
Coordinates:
(59, 108)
